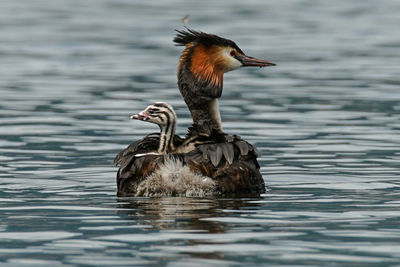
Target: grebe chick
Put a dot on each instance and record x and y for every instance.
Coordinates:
(141, 158)
(164, 116)
(152, 172)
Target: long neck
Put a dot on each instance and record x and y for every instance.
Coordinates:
(200, 94)
(167, 137)
(207, 112)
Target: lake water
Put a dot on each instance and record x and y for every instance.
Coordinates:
(326, 122)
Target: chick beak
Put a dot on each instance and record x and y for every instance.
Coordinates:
(142, 116)
(254, 62)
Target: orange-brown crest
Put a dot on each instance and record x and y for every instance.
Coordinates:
(184, 55)
(207, 63)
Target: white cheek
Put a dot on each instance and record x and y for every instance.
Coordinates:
(233, 63)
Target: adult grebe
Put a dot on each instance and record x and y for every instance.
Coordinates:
(206, 150)
(201, 67)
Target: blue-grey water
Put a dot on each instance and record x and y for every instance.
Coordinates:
(326, 122)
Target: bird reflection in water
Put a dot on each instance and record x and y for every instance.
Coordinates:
(184, 213)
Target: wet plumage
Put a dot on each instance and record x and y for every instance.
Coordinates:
(206, 151)
(228, 160)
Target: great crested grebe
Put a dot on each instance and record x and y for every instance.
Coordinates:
(151, 170)
(201, 67)
(207, 151)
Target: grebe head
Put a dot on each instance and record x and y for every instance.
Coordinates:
(159, 113)
(208, 56)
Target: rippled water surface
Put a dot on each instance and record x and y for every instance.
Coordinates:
(325, 122)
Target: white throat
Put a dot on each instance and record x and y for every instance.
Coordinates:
(216, 116)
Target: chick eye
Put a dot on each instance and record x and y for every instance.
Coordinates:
(232, 53)
(151, 111)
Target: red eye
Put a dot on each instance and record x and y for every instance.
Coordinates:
(233, 53)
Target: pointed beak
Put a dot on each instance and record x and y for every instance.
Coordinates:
(254, 62)
(142, 116)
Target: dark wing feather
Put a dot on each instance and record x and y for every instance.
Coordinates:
(204, 151)
(126, 161)
(215, 154)
(243, 147)
(227, 150)
(146, 144)
(231, 161)
(134, 169)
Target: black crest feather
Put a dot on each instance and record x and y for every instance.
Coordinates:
(207, 39)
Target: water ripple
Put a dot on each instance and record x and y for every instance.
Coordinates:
(325, 122)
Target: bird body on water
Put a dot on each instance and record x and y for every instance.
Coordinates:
(227, 164)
